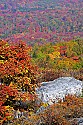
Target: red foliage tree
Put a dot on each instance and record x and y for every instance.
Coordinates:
(17, 75)
(15, 65)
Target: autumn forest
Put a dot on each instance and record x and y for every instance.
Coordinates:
(40, 41)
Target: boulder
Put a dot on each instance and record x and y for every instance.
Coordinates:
(52, 91)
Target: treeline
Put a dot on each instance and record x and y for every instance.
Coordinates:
(62, 59)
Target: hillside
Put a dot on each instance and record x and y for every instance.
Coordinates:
(59, 59)
(41, 20)
(41, 62)
(23, 68)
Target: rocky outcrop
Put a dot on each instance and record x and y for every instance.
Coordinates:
(52, 91)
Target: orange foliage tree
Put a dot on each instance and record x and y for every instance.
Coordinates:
(15, 66)
(17, 74)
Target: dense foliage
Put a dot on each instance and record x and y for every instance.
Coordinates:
(20, 76)
(53, 31)
(60, 59)
(56, 114)
(17, 76)
(15, 66)
(41, 20)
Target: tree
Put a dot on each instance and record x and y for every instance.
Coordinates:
(17, 74)
(16, 68)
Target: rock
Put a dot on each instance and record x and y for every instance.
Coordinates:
(51, 91)
(42, 108)
(76, 121)
(80, 121)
